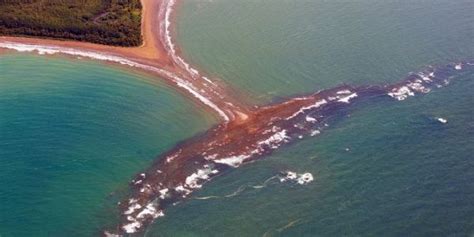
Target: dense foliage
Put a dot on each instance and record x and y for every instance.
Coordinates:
(112, 22)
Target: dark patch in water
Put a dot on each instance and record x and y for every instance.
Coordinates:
(177, 173)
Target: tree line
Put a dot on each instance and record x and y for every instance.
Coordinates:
(111, 22)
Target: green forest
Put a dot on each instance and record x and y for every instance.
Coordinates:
(111, 22)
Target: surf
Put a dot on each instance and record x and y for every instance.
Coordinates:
(190, 165)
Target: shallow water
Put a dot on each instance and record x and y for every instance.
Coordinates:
(72, 135)
(382, 168)
(281, 48)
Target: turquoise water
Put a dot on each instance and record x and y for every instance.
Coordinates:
(405, 174)
(385, 168)
(281, 47)
(72, 134)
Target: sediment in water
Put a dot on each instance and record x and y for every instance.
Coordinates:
(245, 134)
(188, 166)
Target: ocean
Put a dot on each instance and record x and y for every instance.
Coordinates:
(73, 132)
(282, 48)
(382, 168)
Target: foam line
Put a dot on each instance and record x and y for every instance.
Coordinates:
(49, 50)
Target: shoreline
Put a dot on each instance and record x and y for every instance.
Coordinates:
(150, 48)
(175, 175)
(157, 55)
(244, 134)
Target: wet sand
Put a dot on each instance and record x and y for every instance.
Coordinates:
(246, 133)
(158, 55)
(151, 49)
(188, 166)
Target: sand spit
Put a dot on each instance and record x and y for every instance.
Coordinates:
(245, 133)
(158, 55)
(191, 164)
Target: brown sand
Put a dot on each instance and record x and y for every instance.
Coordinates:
(151, 49)
(249, 133)
(154, 53)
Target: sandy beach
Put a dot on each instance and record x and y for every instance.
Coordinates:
(176, 174)
(151, 49)
(245, 133)
(158, 55)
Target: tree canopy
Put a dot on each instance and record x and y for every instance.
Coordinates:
(111, 22)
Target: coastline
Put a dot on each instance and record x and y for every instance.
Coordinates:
(176, 174)
(150, 49)
(157, 55)
(243, 136)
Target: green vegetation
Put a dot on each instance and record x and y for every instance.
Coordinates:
(112, 22)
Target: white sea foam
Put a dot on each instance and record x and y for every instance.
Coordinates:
(315, 132)
(163, 193)
(310, 119)
(305, 178)
(208, 80)
(132, 208)
(182, 189)
(442, 120)
(303, 109)
(275, 140)
(170, 46)
(44, 49)
(132, 227)
(343, 92)
(302, 179)
(150, 211)
(171, 158)
(211, 157)
(418, 87)
(426, 78)
(234, 161)
(145, 189)
(409, 89)
(203, 99)
(346, 99)
(135, 223)
(401, 93)
(193, 180)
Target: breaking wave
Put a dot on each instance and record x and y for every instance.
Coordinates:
(180, 82)
(187, 167)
